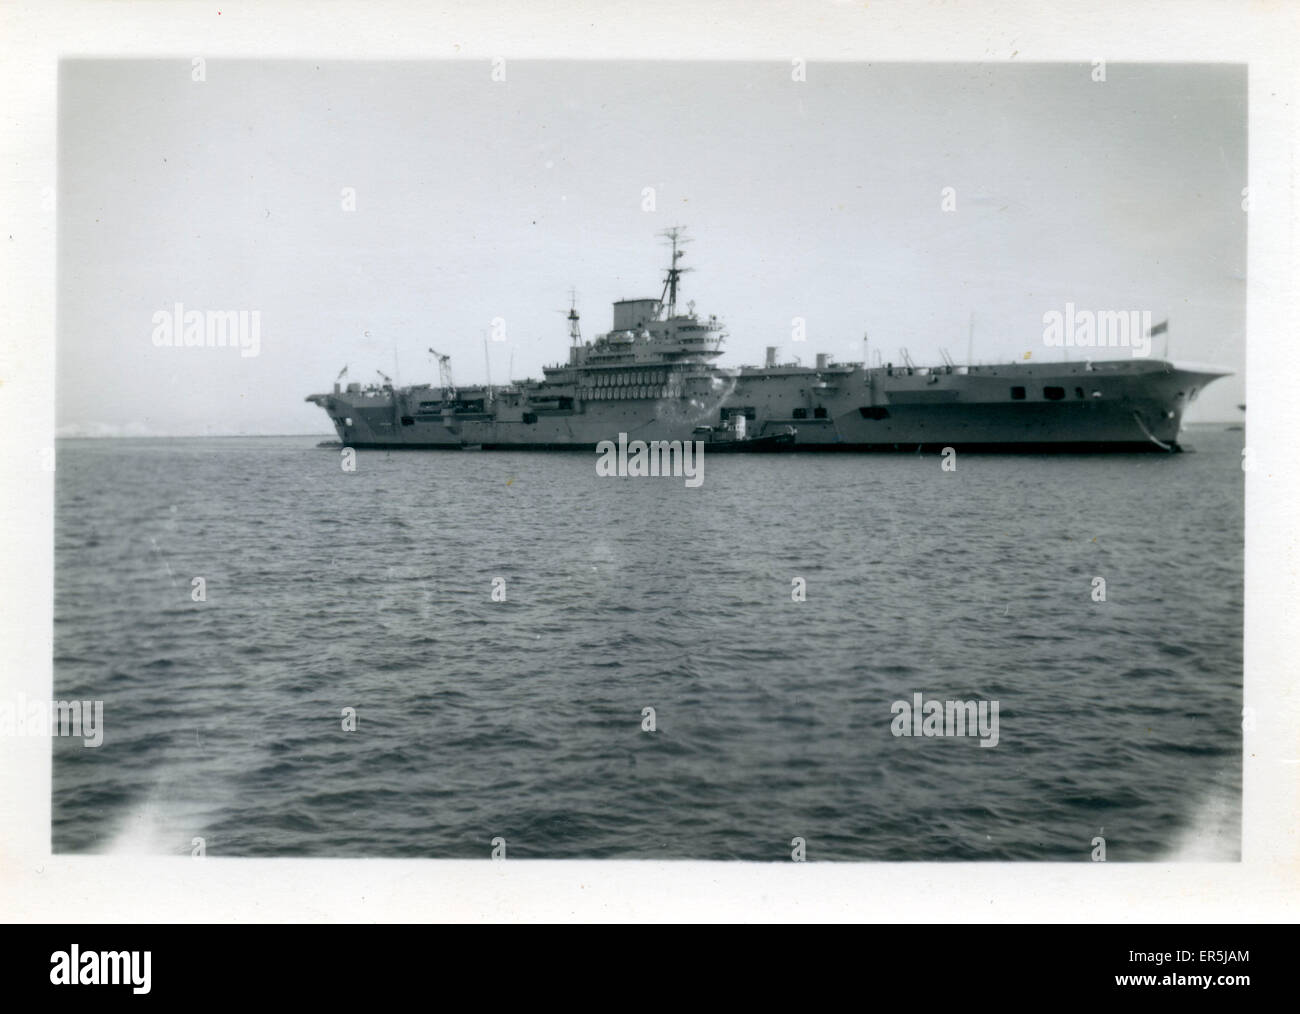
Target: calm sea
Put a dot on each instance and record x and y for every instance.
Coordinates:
(523, 719)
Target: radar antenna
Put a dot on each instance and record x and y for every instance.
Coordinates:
(677, 237)
(575, 332)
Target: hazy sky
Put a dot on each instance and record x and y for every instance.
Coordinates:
(477, 199)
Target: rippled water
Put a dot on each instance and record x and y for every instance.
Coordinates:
(522, 719)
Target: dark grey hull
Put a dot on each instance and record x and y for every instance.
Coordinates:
(1018, 447)
(1111, 407)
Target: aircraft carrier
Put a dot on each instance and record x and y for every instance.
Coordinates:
(654, 376)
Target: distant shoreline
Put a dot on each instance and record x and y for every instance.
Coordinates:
(199, 436)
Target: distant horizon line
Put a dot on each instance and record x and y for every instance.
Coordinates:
(184, 436)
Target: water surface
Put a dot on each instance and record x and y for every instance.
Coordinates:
(523, 719)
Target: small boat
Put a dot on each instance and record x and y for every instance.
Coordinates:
(730, 438)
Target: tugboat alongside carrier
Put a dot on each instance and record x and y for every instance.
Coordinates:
(653, 376)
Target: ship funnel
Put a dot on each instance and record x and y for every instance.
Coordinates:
(770, 361)
(635, 314)
(823, 360)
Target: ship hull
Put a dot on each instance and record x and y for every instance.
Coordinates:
(1119, 406)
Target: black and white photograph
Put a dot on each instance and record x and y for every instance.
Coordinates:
(740, 460)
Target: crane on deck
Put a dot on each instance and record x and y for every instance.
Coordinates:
(444, 375)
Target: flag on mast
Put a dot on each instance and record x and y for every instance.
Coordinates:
(1162, 328)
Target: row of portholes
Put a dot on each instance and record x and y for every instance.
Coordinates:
(652, 378)
(638, 391)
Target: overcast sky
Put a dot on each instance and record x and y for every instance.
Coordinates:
(477, 199)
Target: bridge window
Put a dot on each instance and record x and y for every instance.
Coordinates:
(1017, 394)
(1078, 392)
(819, 413)
(799, 413)
(1053, 393)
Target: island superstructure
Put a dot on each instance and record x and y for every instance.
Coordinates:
(654, 376)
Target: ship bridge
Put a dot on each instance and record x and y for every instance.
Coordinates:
(683, 340)
(646, 332)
